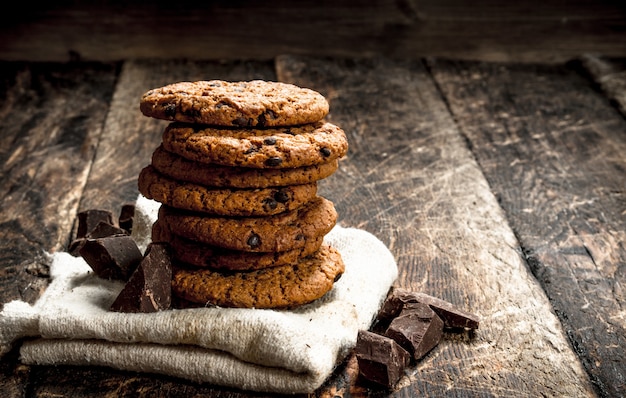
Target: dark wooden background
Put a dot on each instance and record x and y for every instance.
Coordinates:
(487, 150)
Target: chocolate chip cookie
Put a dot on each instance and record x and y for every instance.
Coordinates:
(284, 147)
(242, 104)
(181, 169)
(277, 233)
(202, 255)
(276, 287)
(223, 201)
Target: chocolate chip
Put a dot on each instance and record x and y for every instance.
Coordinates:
(380, 359)
(270, 203)
(254, 240)
(325, 152)
(170, 110)
(281, 196)
(274, 161)
(221, 105)
(149, 288)
(299, 237)
(252, 149)
(270, 141)
(260, 121)
(242, 121)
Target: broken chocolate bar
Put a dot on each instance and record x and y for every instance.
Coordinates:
(127, 215)
(381, 359)
(112, 257)
(149, 288)
(417, 329)
(452, 316)
(89, 219)
(102, 230)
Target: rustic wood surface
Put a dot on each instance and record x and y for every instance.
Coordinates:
(553, 152)
(610, 75)
(550, 30)
(498, 187)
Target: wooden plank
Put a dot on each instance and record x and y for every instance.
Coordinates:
(610, 75)
(552, 149)
(410, 179)
(552, 30)
(127, 142)
(51, 119)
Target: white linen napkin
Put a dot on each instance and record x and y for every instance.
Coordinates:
(284, 351)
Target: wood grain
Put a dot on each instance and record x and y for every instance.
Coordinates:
(552, 149)
(51, 118)
(411, 180)
(549, 31)
(610, 75)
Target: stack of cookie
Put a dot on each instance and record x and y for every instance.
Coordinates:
(237, 173)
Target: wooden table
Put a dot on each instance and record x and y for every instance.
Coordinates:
(498, 187)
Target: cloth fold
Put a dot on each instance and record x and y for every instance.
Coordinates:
(285, 351)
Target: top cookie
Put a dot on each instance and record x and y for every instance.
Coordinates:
(241, 104)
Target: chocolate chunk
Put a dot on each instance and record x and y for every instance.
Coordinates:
(103, 229)
(417, 329)
(89, 219)
(112, 257)
(325, 152)
(149, 288)
(75, 246)
(381, 359)
(274, 161)
(127, 216)
(452, 317)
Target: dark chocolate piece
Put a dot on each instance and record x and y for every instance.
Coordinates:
(127, 216)
(103, 229)
(149, 288)
(112, 257)
(452, 316)
(89, 219)
(75, 246)
(417, 329)
(380, 358)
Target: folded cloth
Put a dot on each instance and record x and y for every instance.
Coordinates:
(283, 351)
